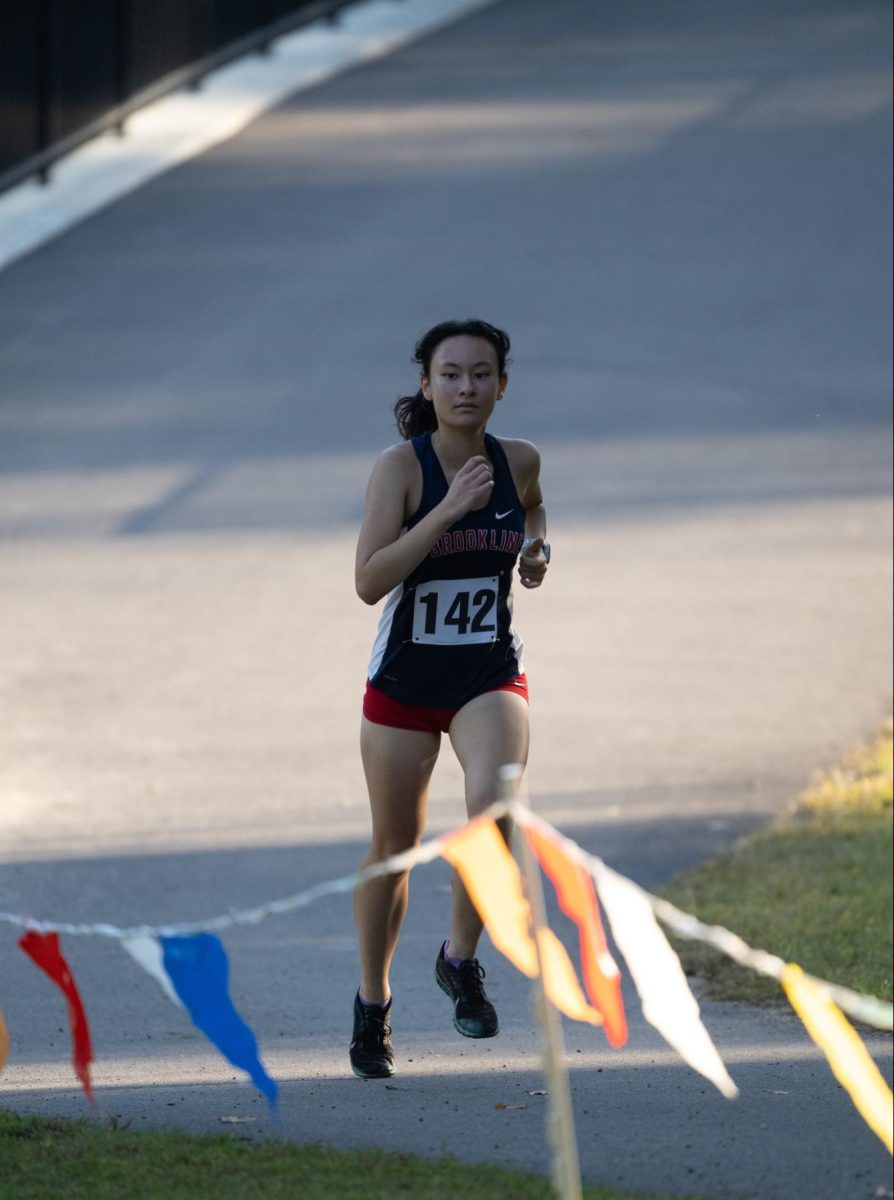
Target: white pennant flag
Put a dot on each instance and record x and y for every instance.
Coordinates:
(667, 1001)
(148, 953)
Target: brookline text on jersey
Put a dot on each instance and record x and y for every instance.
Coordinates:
(460, 541)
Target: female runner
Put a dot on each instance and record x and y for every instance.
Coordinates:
(448, 512)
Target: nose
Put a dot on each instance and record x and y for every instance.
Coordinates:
(467, 387)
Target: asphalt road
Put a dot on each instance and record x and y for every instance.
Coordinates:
(681, 213)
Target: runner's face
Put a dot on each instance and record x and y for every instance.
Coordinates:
(464, 382)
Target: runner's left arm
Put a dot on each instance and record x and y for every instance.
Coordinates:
(532, 562)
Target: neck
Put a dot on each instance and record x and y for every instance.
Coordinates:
(454, 448)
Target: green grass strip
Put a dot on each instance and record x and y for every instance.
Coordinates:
(814, 887)
(83, 1160)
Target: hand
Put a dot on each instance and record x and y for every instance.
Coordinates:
(532, 564)
(471, 487)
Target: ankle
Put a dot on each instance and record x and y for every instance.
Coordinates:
(377, 998)
(454, 958)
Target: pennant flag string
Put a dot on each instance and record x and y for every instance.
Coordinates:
(190, 963)
(404, 861)
(868, 1009)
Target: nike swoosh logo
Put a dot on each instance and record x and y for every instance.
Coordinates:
(507, 513)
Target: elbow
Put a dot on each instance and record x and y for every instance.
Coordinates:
(366, 592)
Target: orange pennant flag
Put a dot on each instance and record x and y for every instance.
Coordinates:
(4, 1043)
(577, 897)
(493, 882)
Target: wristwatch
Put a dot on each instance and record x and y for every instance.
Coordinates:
(544, 548)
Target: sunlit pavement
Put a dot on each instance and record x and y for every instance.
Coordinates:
(681, 215)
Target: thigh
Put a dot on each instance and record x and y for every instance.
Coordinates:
(488, 733)
(398, 764)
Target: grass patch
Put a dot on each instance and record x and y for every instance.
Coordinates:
(814, 887)
(82, 1160)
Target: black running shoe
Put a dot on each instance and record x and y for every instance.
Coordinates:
(473, 1014)
(371, 1054)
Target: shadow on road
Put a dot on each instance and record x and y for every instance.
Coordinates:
(680, 214)
(154, 1070)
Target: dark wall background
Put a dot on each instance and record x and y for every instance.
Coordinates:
(67, 67)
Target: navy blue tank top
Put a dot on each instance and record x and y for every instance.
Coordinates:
(445, 635)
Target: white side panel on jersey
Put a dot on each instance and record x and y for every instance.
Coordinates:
(518, 646)
(378, 651)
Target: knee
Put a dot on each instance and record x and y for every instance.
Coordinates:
(478, 801)
(480, 796)
(387, 845)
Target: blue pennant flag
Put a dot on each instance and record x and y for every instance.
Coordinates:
(198, 968)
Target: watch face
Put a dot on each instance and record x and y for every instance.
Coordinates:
(544, 548)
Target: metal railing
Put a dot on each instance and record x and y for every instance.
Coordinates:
(72, 69)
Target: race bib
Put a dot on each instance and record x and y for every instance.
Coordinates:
(452, 612)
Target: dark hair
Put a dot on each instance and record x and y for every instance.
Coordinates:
(414, 414)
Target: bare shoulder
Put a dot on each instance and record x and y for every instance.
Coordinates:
(399, 456)
(396, 464)
(523, 456)
(524, 463)
(396, 479)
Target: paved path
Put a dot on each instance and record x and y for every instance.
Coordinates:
(681, 214)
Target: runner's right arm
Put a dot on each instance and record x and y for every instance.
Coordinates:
(384, 557)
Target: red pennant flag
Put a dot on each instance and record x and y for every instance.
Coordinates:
(44, 949)
(577, 898)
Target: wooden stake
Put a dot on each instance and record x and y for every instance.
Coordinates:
(560, 1114)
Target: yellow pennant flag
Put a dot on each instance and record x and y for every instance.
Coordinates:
(848, 1057)
(4, 1043)
(493, 882)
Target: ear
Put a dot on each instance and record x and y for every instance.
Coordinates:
(504, 383)
(425, 387)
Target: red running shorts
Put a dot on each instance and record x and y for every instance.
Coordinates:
(382, 710)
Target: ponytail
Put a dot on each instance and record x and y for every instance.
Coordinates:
(415, 414)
